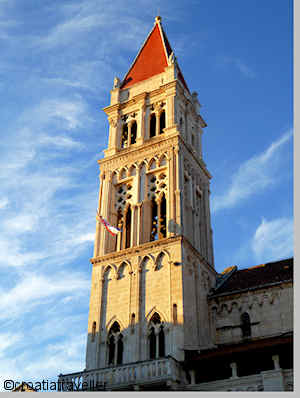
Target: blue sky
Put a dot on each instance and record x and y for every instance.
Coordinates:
(58, 61)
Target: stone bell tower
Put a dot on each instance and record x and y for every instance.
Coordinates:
(150, 281)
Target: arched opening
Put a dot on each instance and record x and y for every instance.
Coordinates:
(111, 350)
(128, 228)
(118, 237)
(120, 350)
(162, 122)
(159, 262)
(175, 314)
(93, 331)
(115, 345)
(124, 138)
(246, 325)
(161, 342)
(132, 323)
(121, 271)
(152, 344)
(152, 125)
(154, 229)
(163, 218)
(156, 337)
(133, 131)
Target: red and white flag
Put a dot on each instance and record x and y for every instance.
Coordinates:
(111, 229)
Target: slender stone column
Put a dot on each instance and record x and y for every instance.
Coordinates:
(233, 366)
(276, 362)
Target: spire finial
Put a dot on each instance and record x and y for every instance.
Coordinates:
(157, 19)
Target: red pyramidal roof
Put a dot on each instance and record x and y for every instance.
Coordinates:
(152, 58)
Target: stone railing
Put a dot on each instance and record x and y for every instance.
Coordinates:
(271, 380)
(120, 377)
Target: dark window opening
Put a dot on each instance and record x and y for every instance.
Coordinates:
(175, 314)
(133, 133)
(124, 139)
(111, 350)
(93, 331)
(153, 235)
(161, 342)
(152, 344)
(246, 325)
(119, 225)
(155, 319)
(152, 125)
(120, 350)
(128, 228)
(163, 218)
(132, 323)
(115, 345)
(162, 122)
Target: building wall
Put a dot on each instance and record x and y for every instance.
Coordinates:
(270, 310)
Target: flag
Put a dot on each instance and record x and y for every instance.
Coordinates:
(111, 229)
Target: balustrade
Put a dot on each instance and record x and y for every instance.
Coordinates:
(159, 370)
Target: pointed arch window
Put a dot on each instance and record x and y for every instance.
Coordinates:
(163, 218)
(128, 228)
(162, 122)
(119, 236)
(175, 314)
(115, 345)
(124, 138)
(152, 125)
(133, 130)
(93, 331)
(156, 337)
(246, 325)
(154, 221)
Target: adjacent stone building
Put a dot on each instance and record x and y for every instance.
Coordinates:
(161, 317)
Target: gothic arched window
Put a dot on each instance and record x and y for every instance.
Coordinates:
(152, 344)
(163, 218)
(128, 228)
(162, 122)
(175, 314)
(124, 137)
(154, 226)
(156, 337)
(133, 131)
(115, 345)
(152, 125)
(93, 331)
(246, 325)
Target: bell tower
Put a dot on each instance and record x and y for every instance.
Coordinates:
(150, 281)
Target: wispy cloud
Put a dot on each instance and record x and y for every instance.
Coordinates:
(273, 239)
(3, 203)
(253, 176)
(237, 64)
(34, 289)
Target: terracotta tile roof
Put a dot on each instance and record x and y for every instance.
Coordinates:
(151, 59)
(258, 275)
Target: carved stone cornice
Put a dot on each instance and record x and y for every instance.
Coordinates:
(132, 154)
(140, 250)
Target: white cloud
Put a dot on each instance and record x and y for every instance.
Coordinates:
(238, 64)
(273, 239)
(60, 142)
(8, 340)
(3, 203)
(253, 176)
(89, 237)
(33, 289)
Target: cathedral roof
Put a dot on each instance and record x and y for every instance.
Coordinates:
(152, 59)
(254, 277)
